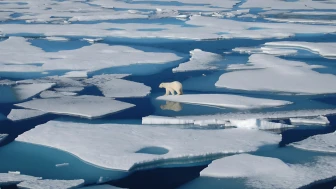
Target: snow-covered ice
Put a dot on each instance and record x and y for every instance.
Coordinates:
(324, 49)
(282, 76)
(13, 178)
(119, 88)
(200, 60)
(320, 143)
(162, 120)
(265, 50)
(76, 74)
(133, 146)
(319, 120)
(266, 172)
(225, 100)
(82, 106)
(54, 94)
(51, 184)
(24, 114)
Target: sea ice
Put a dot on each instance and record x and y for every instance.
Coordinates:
(82, 106)
(76, 74)
(23, 114)
(265, 172)
(324, 49)
(138, 146)
(54, 94)
(51, 184)
(320, 143)
(200, 60)
(287, 5)
(13, 178)
(105, 186)
(225, 100)
(319, 120)
(111, 86)
(282, 76)
(265, 50)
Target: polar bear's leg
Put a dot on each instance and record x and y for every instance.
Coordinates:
(171, 91)
(167, 92)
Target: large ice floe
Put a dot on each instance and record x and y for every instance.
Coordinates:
(320, 143)
(200, 60)
(239, 123)
(24, 114)
(21, 92)
(319, 120)
(282, 76)
(89, 58)
(82, 106)
(324, 49)
(50, 184)
(225, 100)
(111, 86)
(263, 172)
(132, 147)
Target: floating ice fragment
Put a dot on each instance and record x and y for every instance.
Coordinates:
(224, 100)
(105, 186)
(319, 120)
(320, 143)
(82, 106)
(24, 114)
(7, 179)
(123, 141)
(49, 184)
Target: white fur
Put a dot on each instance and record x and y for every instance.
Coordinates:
(172, 87)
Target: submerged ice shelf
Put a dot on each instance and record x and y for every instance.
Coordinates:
(320, 143)
(133, 147)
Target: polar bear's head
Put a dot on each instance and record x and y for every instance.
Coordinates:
(161, 85)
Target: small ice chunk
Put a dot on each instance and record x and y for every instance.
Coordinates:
(265, 50)
(200, 60)
(82, 106)
(62, 165)
(93, 40)
(76, 74)
(3, 136)
(224, 100)
(319, 120)
(258, 124)
(24, 114)
(57, 39)
(13, 178)
(49, 184)
(320, 143)
(158, 145)
(161, 120)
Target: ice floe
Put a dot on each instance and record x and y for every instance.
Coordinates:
(111, 86)
(324, 49)
(49, 184)
(320, 143)
(13, 178)
(200, 60)
(225, 100)
(82, 106)
(54, 94)
(76, 74)
(22, 92)
(24, 114)
(264, 172)
(319, 120)
(265, 50)
(137, 147)
(56, 39)
(287, 5)
(282, 76)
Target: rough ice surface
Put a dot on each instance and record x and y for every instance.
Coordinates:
(82, 106)
(51, 184)
(13, 178)
(124, 141)
(200, 60)
(3, 136)
(279, 5)
(263, 115)
(266, 172)
(265, 50)
(320, 143)
(319, 120)
(239, 123)
(105, 186)
(119, 88)
(23, 92)
(224, 100)
(282, 76)
(324, 49)
(23, 114)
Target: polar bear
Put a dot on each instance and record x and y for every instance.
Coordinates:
(172, 87)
